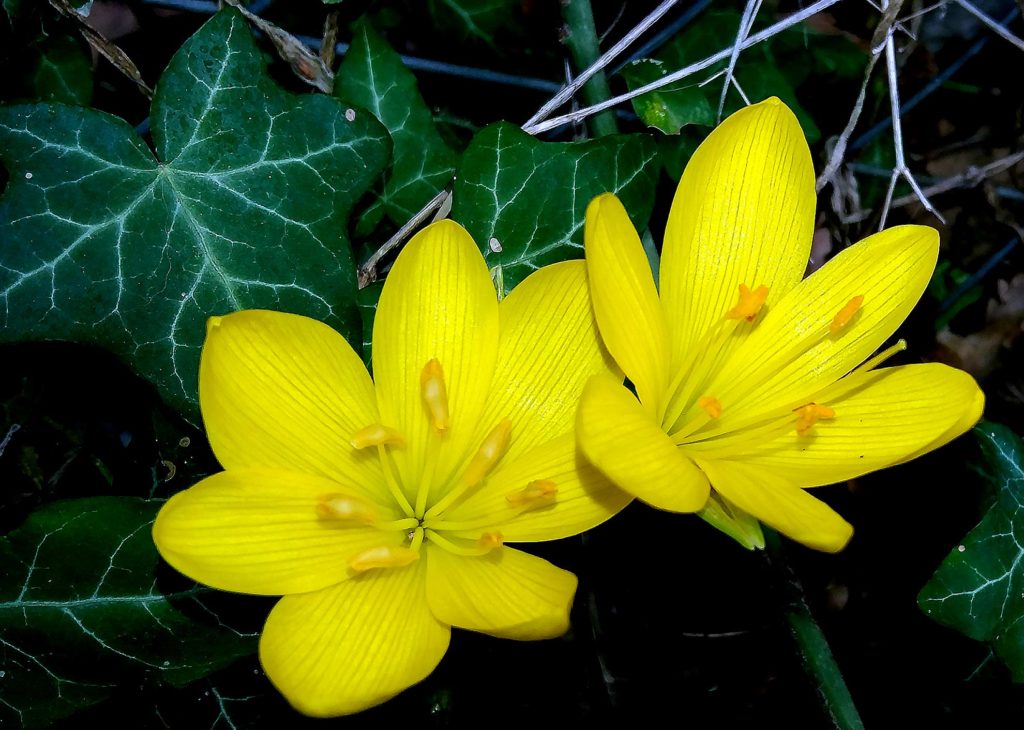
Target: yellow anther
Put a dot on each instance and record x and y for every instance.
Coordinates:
(538, 493)
(750, 303)
(346, 509)
(810, 414)
(376, 434)
(711, 405)
(385, 556)
(844, 315)
(491, 540)
(435, 395)
(489, 454)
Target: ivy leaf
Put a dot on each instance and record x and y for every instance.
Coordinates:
(246, 205)
(524, 200)
(671, 108)
(479, 19)
(373, 76)
(979, 588)
(81, 609)
(61, 71)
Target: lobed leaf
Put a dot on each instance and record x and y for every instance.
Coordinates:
(979, 588)
(244, 205)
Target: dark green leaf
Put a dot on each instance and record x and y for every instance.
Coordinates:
(63, 72)
(81, 606)
(246, 206)
(373, 76)
(671, 108)
(979, 588)
(524, 200)
(478, 19)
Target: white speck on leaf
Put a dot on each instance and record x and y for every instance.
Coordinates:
(495, 245)
(961, 548)
(350, 114)
(28, 175)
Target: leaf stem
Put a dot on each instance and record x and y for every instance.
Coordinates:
(581, 38)
(817, 658)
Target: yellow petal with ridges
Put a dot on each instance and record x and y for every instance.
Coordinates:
(547, 350)
(438, 302)
(584, 497)
(625, 299)
(624, 442)
(743, 214)
(281, 391)
(258, 531)
(889, 415)
(354, 645)
(505, 593)
(889, 269)
(779, 504)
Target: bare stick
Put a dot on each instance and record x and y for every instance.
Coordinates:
(746, 23)
(368, 271)
(772, 30)
(900, 169)
(570, 89)
(969, 178)
(991, 23)
(835, 161)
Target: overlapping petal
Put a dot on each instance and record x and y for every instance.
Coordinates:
(882, 417)
(743, 214)
(628, 446)
(257, 531)
(584, 499)
(438, 302)
(778, 503)
(548, 348)
(354, 645)
(625, 298)
(774, 368)
(281, 391)
(506, 593)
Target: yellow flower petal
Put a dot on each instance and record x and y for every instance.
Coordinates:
(970, 413)
(354, 645)
(893, 414)
(257, 531)
(547, 350)
(280, 391)
(625, 443)
(438, 302)
(743, 214)
(584, 497)
(505, 593)
(889, 269)
(777, 503)
(625, 299)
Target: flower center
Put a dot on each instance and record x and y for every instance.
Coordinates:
(693, 415)
(428, 522)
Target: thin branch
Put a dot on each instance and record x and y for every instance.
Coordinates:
(368, 271)
(969, 178)
(991, 23)
(535, 127)
(835, 160)
(746, 24)
(569, 90)
(900, 169)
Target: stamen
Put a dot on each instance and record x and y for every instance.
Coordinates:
(750, 303)
(376, 434)
(844, 315)
(384, 556)
(810, 414)
(391, 478)
(465, 548)
(435, 394)
(711, 405)
(491, 540)
(536, 494)
(881, 357)
(343, 508)
(490, 453)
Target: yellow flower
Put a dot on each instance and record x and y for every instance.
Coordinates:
(752, 381)
(379, 509)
